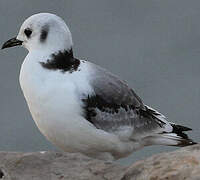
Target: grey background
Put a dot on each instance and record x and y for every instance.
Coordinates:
(153, 44)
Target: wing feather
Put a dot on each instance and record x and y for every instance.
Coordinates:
(115, 108)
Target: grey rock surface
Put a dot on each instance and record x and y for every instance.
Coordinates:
(183, 164)
(55, 166)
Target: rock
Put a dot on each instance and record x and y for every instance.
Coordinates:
(183, 164)
(56, 166)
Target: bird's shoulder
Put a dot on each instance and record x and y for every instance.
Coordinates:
(111, 88)
(114, 106)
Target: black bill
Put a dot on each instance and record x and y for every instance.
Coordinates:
(12, 42)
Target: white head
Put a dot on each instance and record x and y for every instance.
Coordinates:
(43, 31)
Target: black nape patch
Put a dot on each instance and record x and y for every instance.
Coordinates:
(63, 61)
(44, 33)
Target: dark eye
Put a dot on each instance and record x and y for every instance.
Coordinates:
(28, 32)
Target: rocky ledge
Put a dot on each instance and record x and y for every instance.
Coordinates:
(183, 164)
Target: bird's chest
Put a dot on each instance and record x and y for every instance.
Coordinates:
(51, 96)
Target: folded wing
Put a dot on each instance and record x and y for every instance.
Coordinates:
(116, 108)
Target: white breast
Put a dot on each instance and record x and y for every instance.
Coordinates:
(53, 99)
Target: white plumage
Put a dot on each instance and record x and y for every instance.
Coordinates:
(79, 106)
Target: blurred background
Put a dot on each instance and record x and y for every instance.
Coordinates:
(154, 45)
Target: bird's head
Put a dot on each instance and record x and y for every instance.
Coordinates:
(42, 31)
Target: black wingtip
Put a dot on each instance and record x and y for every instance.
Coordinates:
(186, 142)
(179, 128)
(193, 143)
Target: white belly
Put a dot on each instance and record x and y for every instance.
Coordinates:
(55, 106)
(54, 116)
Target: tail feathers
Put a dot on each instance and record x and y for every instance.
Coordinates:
(183, 138)
(175, 138)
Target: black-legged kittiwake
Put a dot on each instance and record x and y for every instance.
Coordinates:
(80, 106)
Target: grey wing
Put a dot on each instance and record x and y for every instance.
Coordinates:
(115, 108)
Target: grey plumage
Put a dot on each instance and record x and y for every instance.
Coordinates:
(115, 107)
(114, 90)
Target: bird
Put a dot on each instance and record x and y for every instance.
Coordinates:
(79, 106)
